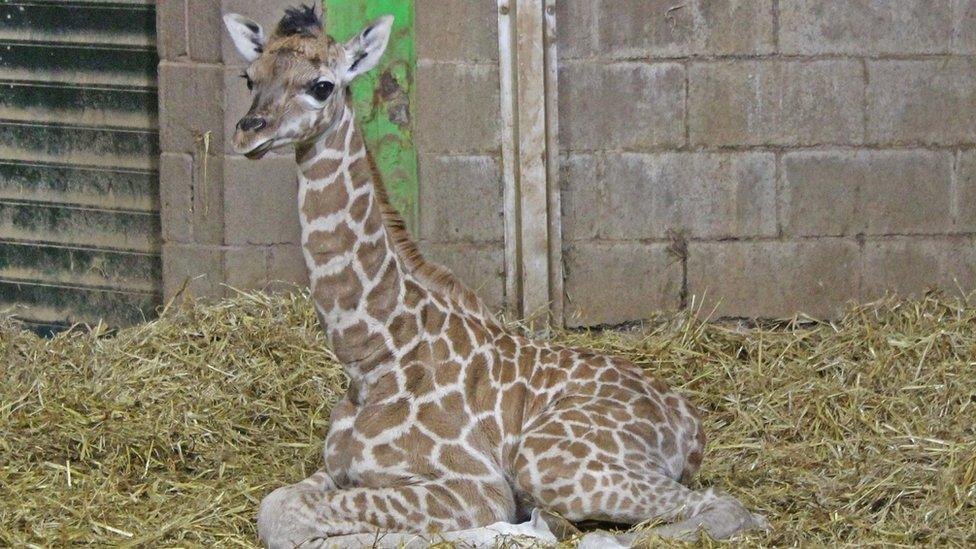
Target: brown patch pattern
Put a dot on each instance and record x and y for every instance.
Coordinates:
(451, 420)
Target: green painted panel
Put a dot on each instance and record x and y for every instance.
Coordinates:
(383, 96)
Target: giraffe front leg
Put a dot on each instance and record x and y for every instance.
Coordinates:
(536, 532)
(313, 512)
(277, 523)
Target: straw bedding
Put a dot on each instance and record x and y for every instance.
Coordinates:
(168, 434)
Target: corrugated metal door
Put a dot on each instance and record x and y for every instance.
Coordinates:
(79, 208)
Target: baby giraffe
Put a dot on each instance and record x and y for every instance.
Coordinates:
(453, 426)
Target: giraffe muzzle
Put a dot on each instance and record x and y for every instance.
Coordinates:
(253, 138)
(260, 150)
(252, 123)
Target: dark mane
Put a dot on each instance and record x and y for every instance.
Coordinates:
(300, 20)
(435, 276)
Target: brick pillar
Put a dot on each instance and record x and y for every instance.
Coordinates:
(226, 220)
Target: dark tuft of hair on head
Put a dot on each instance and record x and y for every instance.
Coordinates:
(300, 20)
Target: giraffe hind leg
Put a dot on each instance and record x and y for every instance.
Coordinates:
(314, 513)
(582, 481)
(660, 497)
(721, 518)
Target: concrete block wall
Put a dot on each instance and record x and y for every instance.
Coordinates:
(458, 139)
(226, 221)
(238, 226)
(765, 157)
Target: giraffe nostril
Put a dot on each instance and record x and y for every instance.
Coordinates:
(252, 123)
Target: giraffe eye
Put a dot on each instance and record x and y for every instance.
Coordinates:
(322, 90)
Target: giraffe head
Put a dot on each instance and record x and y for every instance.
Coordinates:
(298, 77)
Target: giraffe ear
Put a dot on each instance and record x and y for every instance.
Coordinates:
(247, 35)
(363, 52)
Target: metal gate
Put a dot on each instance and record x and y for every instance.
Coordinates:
(79, 208)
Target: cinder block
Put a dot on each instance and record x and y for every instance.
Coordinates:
(865, 27)
(190, 105)
(246, 267)
(576, 28)
(581, 185)
(287, 270)
(205, 30)
(922, 101)
(456, 107)
(786, 103)
(959, 275)
(460, 198)
(208, 197)
(966, 191)
(191, 196)
(774, 279)
(910, 266)
(642, 196)
(176, 197)
(480, 266)
(456, 30)
(237, 101)
(663, 28)
(171, 29)
(639, 28)
(736, 27)
(611, 283)
(618, 105)
(196, 270)
(261, 201)
(964, 31)
(266, 12)
(905, 266)
(872, 192)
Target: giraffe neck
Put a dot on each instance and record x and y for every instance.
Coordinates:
(360, 284)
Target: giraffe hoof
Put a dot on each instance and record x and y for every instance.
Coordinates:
(761, 523)
(603, 540)
(560, 527)
(276, 525)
